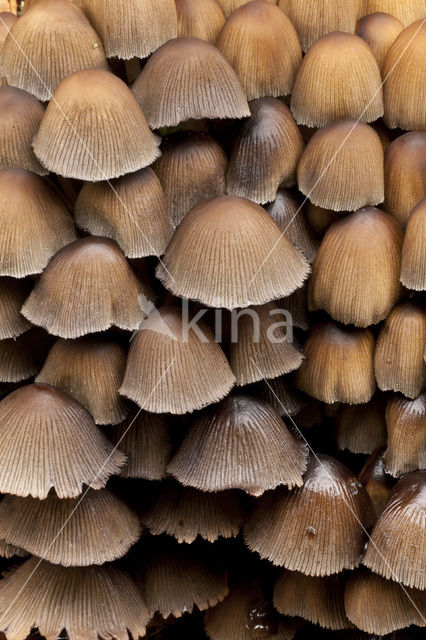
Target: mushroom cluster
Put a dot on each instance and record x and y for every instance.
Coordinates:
(212, 319)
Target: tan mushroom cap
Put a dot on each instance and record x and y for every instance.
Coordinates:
(7, 20)
(241, 443)
(404, 70)
(91, 370)
(35, 223)
(68, 144)
(406, 425)
(379, 30)
(280, 394)
(342, 167)
(355, 275)
(271, 144)
(88, 286)
(407, 11)
(380, 606)
(132, 29)
(22, 357)
(314, 598)
(8, 551)
(361, 428)
(337, 79)
(228, 6)
(70, 532)
(338, 364)
(12, 296)
(58, 40)
(221, 255)
(287, 213)
(314, 19)
(262, 45)
(188, 78)
(49, 440)
(192, 168)
(87, 602)
(199, 19)
(375, 480)
(405, 175)
(319, 528)
(296, 305)
(413, 266)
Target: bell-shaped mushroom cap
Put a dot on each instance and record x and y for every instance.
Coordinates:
(35, 223)
(381, 606)
(413, 264)
(361, 428)
(296, 305)
(132, 29)
(72, 532)
(174, 578)
(199, 19)
(186, 513)
(146, 440)
(189, 78)
(228, 6)
(405, 174)
(377, 484)
(68, 143)
(90, 370)
(20, 117)
(240, 444)
(338, 364)
(342, 167)
(262, 45)
(271, 144)
(7, 20)
(355, 276)
(89, 603)
(403, 72)
(407, 11)
(397, 549)
(379, 30)
(175, 365)
(280, 394)
(286, 212)
(22, 357)
(49, 440)
(130, 210)
(339, 78)
(88, 286)
(314, 19)
(221, 254)
(314, 598)
(50, 42)
(263, 346)
(192, 168)
(406, 425)
(12, 296)
(398, 359)
(319, 528)
(8, 551)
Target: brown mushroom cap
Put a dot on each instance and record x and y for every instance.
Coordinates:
(88, 286)
(7, 20)
(8, 551)
(86, 602)
(219, 255)
(379, 30)
(22, 357)
(361, 428)
(68, 143)
(271, 144)
(241, 443)
(50, 440)
(338, 364)
(199, 19)
(348, 84)
(406, 425)
(50, 42)
(188, 78)
(132, 29)
(413, 265)
(342, 167)
(407, 11)
(228, 6)
(286, 212)
(319, 528)
(12, 296)
(377, 484)
(262, 45)
(35, 223)
(71, 532)
(355, 275)
(280, 394)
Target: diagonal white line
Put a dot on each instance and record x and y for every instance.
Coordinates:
(53, 99)
(336, 153)
(395, 579)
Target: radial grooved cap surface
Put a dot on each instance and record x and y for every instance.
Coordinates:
(49, 440)
(89, 603)
(379, 30)
(84, 135)
(355, 275)
(22, 357)
(316, 529)
(229, 252)
(228, 6)
(407, 11)
(406, 425)
(188, 78)
(413, 267)
(361, 428)
(287, 213)
(12, 296)
(199, 19)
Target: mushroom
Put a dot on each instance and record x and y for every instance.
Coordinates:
(22, 357)
(199, 19)
(413, 266)
(361, 428)
(287, 213)
(228, 6)
(12, 296)
(9, 551)
(379, 30)
(280, 394)
(375, 480)
(406, 425)
(407, 11)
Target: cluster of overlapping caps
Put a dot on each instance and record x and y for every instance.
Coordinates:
(80, 270)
